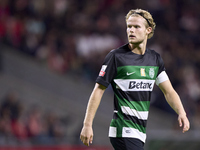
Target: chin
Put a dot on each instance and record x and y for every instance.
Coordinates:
(133, 42)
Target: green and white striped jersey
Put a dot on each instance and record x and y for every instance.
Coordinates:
(132, 77)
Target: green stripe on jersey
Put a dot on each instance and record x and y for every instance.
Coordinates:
(137, 105)
(137, 72)
(130, 124)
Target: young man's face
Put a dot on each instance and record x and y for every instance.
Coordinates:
(136, 29)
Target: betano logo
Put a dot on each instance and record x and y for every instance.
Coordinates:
(140, 85)
(134, 84)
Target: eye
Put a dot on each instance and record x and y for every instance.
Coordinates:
(137, 26)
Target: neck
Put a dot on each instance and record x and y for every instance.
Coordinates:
(138, 48)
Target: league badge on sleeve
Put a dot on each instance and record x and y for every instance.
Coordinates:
(103, 69)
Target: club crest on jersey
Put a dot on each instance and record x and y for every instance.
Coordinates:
(151, 72)
(142, 72)
(103, 69)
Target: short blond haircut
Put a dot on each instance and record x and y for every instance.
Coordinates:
(146, 15)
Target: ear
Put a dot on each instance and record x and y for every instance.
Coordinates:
(149, 30)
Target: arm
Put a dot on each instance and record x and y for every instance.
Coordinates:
(93, 104)
(174, 101)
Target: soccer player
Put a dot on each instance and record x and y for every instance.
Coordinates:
(132, 70)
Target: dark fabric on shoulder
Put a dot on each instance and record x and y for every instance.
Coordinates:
(108, 70)
(109, 66)
(159, 60)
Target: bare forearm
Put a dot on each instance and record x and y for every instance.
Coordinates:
(174, 101)
(172, 97)
(93, 105)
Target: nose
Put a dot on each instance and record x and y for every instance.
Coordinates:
(131, 29)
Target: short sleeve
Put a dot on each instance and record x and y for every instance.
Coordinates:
(161, 78)
(161, 65)
(108, 70)
(162, 75)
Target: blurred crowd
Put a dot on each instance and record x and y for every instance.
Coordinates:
(30, 125)
(73, 37)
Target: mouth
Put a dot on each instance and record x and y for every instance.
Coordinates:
(131, 36)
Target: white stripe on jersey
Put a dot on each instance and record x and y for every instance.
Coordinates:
(133, 133)
(112, 132)
(128, 132)
(132, 112)
(134, 84)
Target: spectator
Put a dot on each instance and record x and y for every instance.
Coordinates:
(5, 123)
(12, 105)
(35, 125)
(53, 125)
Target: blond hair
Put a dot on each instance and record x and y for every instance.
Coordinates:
(146, 15)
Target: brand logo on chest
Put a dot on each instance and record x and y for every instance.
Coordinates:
(140, 85)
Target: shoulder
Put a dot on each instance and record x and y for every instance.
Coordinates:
(155, 57)
(154, 54)
(120, 50)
